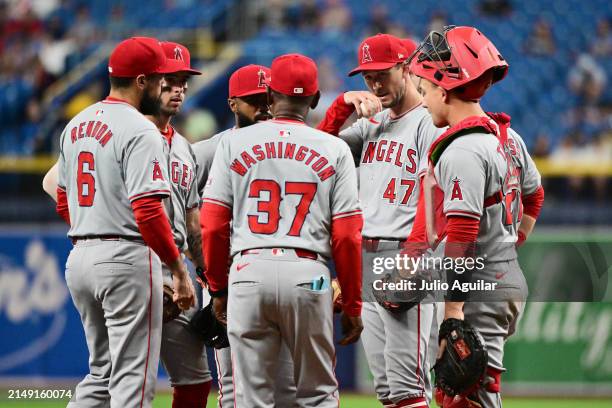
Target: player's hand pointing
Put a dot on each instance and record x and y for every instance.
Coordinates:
(351, 329)
(366, 103)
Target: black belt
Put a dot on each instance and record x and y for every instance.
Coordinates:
(301, 253)
(371, 244)
(106, 238)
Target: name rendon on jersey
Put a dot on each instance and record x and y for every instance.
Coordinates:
(283, 150)
(94, 129)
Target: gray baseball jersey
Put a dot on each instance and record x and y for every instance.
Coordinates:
(390, 153)
(473, 168)
(117, 155)
(204, 152)
(110, 155)
(290, 179)
(284, 384)
(183, 354)
(182, 175)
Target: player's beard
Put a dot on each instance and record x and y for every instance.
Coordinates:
(165, 111)
(150, 105)
(244, 120)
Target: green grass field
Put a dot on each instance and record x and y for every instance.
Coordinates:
(347, 401)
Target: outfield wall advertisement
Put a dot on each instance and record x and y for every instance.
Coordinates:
(559, 346)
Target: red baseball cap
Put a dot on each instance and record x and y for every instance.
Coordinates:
(409, 45)
(249, 80)
(294, 75)
(138, 55)
(179, 56)
(379, 52)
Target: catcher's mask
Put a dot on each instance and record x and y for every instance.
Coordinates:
(458, 59)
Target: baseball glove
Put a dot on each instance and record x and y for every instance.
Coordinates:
(337, 296)
(208, 328)
(464, 360)
(400, 300)
(171, 309)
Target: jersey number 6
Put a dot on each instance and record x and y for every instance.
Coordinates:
(271, 206)
(86, 197)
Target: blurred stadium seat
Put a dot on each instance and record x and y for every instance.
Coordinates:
(62, 52)
(53, 60)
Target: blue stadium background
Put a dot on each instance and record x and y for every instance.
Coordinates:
(559, 52)
(53, 62)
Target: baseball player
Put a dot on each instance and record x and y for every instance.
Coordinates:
(390, 149)
(183, 354)
(290, 194)
(490, 189)
(112, 179)
(249, 103)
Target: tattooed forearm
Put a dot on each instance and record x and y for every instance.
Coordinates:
(194, 237)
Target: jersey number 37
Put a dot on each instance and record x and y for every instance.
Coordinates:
(269, 204)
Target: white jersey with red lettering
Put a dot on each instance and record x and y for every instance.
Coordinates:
(285, 183)
(182, 174)
(110, 155)
(475, 164)
(391, 153)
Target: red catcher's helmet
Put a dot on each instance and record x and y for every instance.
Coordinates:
(456, 59)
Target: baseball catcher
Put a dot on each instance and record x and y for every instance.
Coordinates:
(490, 196)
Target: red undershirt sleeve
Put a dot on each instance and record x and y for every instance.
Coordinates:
(416, 242)
(155, 228)
(61, 208)
(215, 222)
(532, 203)
(346, 251)
(335, 116)
(461, 236)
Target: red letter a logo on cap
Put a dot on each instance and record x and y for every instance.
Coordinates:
(178, 54)
(365, 53)
(262, 79)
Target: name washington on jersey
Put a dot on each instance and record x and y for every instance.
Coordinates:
(284, 150)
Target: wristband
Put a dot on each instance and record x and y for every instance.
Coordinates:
(218, 293)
